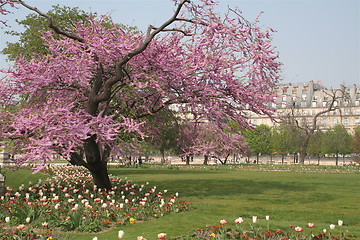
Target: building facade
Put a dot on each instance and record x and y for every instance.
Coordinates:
(308, 99)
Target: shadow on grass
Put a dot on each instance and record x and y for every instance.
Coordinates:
(223, 187)
(145, 171)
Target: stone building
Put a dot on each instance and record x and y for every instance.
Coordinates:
(309, 99)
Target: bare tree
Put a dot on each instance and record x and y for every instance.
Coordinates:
(306, 125)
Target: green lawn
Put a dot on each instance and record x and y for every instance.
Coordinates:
(287, 197)
(292, 197)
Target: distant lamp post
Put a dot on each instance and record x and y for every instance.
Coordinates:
(2, 184)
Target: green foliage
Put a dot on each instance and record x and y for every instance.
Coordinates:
(283, 140)
(30, 42)
(259, 139)
(165, 134)
(337, 141)
(315, 146)
(356, 140)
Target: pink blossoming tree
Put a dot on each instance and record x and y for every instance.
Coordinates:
(99, 83)
(209, 140)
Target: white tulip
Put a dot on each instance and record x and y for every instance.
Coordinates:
(121, 234)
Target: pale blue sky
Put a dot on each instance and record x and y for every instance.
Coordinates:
(317, 40)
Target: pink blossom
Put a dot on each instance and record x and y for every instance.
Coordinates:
(229, 68)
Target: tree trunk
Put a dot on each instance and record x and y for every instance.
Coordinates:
(100, 175)
(206, 159)
(162, 151)
(257, 158)
(187, 160)
(318, 159)
(302, 155)
(95, 164)
(282, 159)
(337, 159)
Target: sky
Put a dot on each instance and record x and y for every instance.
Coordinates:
(316, 39)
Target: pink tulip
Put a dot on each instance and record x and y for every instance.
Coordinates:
(21, 227)
(223, 221)
(298, 229)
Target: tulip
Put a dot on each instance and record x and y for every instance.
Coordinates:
(44, 224)
(7, 219)
(310, 225)
(332, 226)
(239, 220)
(121, 234)
(340, 222)
(254, 219)
(161, 235)
(298, 229)
(27, 219)
(140, 238)
(324, 230)
(267, 218)
(95, 238)
(223, 221)
(21, 227)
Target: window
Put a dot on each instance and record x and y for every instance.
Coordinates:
(313, 104)
(357, 103)
(357, 121)
(335, 121)
(303, 97)
(346, 121)
(335, 103)
(346, 111)
(324, 103)
(303, 104)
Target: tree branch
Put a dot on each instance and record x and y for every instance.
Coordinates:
(51, 22)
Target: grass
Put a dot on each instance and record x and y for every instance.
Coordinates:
(220, 192)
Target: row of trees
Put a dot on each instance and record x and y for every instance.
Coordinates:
(285, 139)
(208, 140)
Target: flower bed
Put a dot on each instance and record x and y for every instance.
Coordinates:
(69, 201)
(253, 231)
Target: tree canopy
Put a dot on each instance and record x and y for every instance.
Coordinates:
(98, 80)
